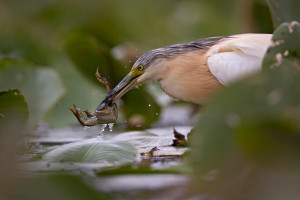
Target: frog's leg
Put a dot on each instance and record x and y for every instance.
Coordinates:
(89, 122)
(103, 80)
(89, 114)
(78, 114)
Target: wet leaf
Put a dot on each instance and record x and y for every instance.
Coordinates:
(93, 151)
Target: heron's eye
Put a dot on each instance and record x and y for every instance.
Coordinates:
(140, 67)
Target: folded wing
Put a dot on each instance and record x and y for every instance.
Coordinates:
(237, 56)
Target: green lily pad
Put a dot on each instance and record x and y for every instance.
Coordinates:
(94, 151)
(41, 86)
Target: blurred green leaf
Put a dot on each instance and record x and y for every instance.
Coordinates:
(247, 143)
(21, 45)
(41, 87)
(285, 50)
(94, 151)
(284, 11)
(87, 54)
(13, 118)
(59, 187)
(13, 105)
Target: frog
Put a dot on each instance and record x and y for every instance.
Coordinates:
(106, 114)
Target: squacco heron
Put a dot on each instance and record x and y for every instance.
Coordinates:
(193, 71)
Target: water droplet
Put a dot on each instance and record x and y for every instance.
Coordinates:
(156, 114)
(103, 128)
(130, 61)
(110, 126)
(100, 135)
(149, 105)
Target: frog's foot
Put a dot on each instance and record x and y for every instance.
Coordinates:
(103, 80)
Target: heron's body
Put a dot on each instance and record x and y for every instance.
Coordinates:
(186, 74)
(193, 71)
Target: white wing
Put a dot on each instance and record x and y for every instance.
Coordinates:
(237, 56)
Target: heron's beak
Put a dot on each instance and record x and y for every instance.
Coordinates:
(119, 90)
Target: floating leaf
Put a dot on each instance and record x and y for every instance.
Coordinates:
(93, 151)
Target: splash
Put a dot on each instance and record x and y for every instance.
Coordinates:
(100, 135)
(103, 128)
(110, 126)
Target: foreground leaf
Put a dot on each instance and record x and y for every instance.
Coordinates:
(247, 144)
(59, 187)
(13, 118)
